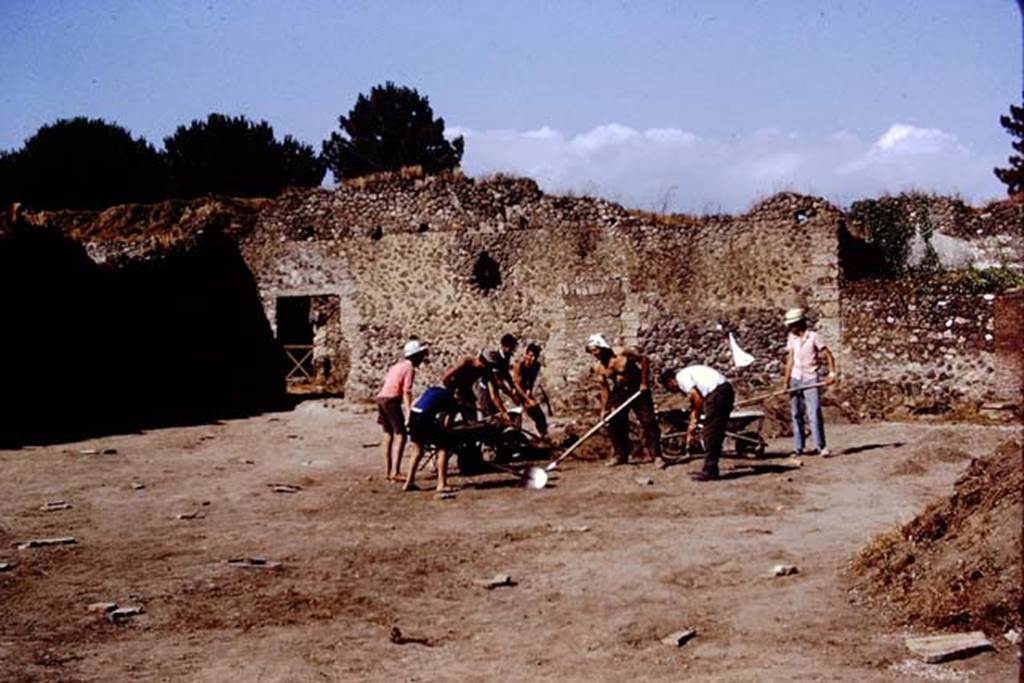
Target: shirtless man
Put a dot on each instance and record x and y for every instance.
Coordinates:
(621, 373)
(524, 379)
(473, 384)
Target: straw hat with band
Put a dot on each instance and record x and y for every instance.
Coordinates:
(794, 315)
(414, 347)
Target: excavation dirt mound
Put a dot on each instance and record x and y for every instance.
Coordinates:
(957, 564)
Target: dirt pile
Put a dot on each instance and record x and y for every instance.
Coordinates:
(958, 563)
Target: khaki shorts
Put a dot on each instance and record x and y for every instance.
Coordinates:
(390, 416)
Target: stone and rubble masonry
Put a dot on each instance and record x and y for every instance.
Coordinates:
(395, 255)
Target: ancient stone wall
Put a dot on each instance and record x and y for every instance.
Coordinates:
(459, 262)
(911, 347)
(401, 258)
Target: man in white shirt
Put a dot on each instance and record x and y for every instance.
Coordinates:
(711, 393)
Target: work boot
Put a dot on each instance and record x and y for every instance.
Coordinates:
(704, 475)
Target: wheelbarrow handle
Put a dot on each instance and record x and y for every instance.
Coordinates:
(554, 463)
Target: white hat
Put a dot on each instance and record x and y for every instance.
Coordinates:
(413, 347)
(794, 315)
(597, 341)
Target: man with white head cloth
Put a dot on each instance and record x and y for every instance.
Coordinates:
(621, 373)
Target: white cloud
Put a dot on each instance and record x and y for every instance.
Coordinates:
(678, 170)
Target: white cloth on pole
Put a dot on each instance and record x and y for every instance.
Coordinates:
(740, 358)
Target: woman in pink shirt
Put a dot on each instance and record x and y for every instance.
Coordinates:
(804, 351)
(397, 390)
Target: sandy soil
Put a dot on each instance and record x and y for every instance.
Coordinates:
(360, 558)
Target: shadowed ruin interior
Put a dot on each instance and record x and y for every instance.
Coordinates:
(90, 349)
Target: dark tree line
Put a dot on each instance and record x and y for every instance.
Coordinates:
(91, 163)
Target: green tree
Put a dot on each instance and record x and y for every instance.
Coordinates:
(1013, 176)
(82, 163)
(392, 128)
(236, 157)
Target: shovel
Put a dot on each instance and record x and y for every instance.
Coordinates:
(554, 463)
(534, 478)
(780, 392)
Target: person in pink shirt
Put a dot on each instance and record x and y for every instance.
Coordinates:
(804, 352)
(397, 390)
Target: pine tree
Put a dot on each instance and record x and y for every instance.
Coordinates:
(1013, 176)
(392, 128)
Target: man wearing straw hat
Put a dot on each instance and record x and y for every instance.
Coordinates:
(397, 390)
(804, 352)
(621, 374)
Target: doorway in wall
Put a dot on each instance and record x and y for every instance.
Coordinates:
(295, 334)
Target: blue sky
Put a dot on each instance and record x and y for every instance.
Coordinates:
(686, 105)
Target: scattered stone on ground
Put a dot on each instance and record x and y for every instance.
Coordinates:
(41, 542)
(679, 638)
(570, 529)
(285, 488)
(55, 505)
(124, 613)
(248, 462)
(1012, 636)
(784, 570)
(496, 581)
(644, 481)
(755, 530)
(935, 649)
(371, 444)
(398, 638)
(102, 607)
(446, 495)
(109, 451)
(88, 451)
(929, 672)
(195, 514)
(253, 563)
(5, 566)
(138, 485)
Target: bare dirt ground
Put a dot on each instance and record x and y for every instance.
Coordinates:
(359, 558)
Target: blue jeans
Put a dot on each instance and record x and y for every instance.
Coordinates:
(809, 399)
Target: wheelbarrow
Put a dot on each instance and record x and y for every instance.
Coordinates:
(742, 432)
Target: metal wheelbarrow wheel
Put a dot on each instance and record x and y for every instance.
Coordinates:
(749, 444)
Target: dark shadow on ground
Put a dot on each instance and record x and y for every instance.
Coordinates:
(508, 482)
(755, 470)
(870, 447)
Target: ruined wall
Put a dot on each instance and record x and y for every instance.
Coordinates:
(400, 255)
(913, 347)
(395, 256)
